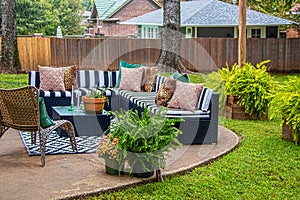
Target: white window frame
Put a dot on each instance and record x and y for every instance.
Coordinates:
(249, 30)
(189, 32)
(149, 32)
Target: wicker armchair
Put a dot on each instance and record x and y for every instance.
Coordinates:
(19, 109)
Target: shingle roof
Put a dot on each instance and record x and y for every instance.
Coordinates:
(106, 8)
(210, 13)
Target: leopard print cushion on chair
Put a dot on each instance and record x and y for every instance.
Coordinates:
(165, 92)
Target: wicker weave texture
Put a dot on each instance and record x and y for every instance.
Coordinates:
(19, 109)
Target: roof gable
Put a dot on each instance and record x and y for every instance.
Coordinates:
(107, 8)
(210, 13)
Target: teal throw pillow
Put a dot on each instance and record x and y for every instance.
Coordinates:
(45, 120)
(181, 77)
(126, 65)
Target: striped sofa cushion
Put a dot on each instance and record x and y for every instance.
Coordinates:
(90, 78)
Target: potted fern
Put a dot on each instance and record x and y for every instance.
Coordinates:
(144, 140)
(286, 103)
(249, 90)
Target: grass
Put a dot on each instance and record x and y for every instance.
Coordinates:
(263, 167)
(13, 80)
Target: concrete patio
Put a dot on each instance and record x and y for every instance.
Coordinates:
(67, 176)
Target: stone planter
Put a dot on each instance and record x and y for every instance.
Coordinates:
(235, 111)
(94, 105)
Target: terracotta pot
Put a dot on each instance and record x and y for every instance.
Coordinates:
(95, 105)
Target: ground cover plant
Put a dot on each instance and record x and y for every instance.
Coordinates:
(263, 166)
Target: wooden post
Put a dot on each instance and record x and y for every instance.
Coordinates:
(242, 33)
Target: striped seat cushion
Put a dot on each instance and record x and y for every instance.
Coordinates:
(147, 99)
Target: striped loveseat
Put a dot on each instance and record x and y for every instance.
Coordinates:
(199, 127)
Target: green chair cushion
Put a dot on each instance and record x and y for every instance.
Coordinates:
(45, 120)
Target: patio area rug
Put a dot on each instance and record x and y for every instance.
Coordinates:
(60, 145)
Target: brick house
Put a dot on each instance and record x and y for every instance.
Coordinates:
(107, 15)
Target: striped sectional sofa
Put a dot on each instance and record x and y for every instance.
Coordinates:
(199, 127)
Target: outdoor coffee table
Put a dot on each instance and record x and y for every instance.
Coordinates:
(85, 124)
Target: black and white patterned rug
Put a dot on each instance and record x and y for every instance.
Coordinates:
(60, 145)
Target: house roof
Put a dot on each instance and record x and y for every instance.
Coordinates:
(210, 13)
(107, 8)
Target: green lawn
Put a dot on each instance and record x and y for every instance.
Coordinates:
(263, 167)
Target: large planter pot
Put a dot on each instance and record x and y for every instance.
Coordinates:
(235, 111)
(94, 105)
(287, 133)
(112, 167)
(139, 171)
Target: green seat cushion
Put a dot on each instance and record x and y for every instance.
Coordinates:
(45, 120)
(126, 65)
(181, 77)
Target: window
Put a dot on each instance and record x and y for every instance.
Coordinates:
(256, 33)
(150, 32)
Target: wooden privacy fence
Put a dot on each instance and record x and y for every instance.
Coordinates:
(201, 54)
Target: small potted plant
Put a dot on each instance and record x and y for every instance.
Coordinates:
(286, 104)
(95, 101)
(108, 150)
(145, 140)
(249, 90)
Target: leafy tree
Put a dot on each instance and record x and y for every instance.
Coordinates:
(69, 14)
(87, 4)
(35, 16)
(10, 62)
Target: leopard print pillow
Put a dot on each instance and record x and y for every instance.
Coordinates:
(165, 92)
(148, 78)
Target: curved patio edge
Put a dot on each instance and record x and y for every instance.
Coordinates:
(208, 153)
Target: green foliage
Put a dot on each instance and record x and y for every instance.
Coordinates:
(10, 81)
(87, 4)
(146, 138)
(263, 167)
(286, 102)
(253, 85)
(214, 81)
(35, 16)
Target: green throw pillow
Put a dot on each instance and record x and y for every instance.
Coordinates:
(181, 77)
(45, 120)
(126, 65)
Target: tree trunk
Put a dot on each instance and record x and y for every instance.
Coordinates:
(242, 33)
(169, 59)
(10, 62)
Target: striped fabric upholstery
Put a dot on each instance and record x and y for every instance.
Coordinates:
(86, 79)
(159, 80)
(147, 99)
(90, 78)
